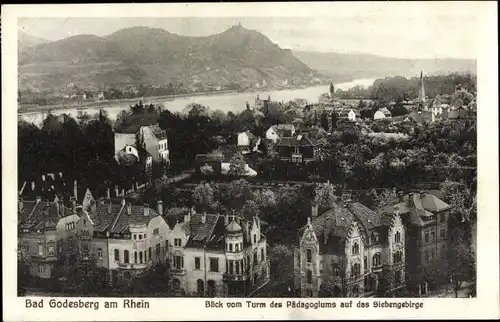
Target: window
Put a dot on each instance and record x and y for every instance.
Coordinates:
(135, 236)
(40, 249)
(433, 235)
(397, 276)
(426, 236)
(309, 276)
(214, 264)
(355, 270)
(365, 262)
(336, 269)
(355, 248)
(156, 231)
(135, 257)
(433, 254)
(158, 247)
(249, 262)
(237, 247)
(255, 257)
(51, 248)
(41, 269)
(376, 260)
(426, 258)
(26, 247)
(443, 251)
(149, 252)
(178, 262)
(262, 257)
(140, 236)
(398, 257)
(140, 257)
(237, 267)
(197, 263)
(309, 255)
(231, 266)
(125, 256)
(230, 247)
(254, 238)
(442, 218)
(117, 255)
(375, 238)
(99, 253)
(397, 237)
(177, 242)
(442, 233)
(166, 245)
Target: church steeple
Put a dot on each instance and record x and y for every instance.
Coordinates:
(421, 95)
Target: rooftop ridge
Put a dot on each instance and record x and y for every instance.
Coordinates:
(117, 217)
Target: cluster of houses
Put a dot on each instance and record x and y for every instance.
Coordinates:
(348, 250)
(353, 251)
(209, 254)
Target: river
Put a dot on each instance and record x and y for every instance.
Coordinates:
(234, 102)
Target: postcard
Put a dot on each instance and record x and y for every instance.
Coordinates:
(239, 161)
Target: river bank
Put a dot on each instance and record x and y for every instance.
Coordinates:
(146, 100)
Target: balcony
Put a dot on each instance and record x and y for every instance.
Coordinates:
(134, 265)
(43, 257)
(235, 277)
(178, 271)
(377, 268)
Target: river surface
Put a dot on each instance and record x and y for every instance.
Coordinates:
(234, 102)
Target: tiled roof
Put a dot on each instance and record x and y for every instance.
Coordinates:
(297, 141)
(201, 234)
(158, 132)
(420, 116)
(115, 218)
(365, 216)
(43, 215)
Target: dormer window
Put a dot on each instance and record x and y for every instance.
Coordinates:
(397, 237)
(355, 248)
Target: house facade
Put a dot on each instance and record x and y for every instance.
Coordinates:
(427, 221)
(124, 239)
(218, 255)
(276, 132)
(43, 227)
(248, 142)
(350, 251)
(300, 148)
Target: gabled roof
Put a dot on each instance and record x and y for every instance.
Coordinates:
(158, 132)
(298, 141)
(205, 234)
(420, 116)
(42, 215)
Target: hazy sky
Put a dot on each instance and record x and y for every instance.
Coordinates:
(408, 35)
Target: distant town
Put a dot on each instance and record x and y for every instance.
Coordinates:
(367, 192)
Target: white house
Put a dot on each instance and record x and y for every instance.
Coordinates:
(247, 141)
(382, 114)
(276, 132)
(351, 115)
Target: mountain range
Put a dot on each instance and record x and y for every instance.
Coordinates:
(352, 66)
(141, 55)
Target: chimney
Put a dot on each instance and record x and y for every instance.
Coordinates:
(56, 202)
(123, 192)
(60, 175)
(136, 185)
(93, 207)
(146, 209)
(314, 209)
(61, 206)
(110, 207)
(43, 177)
(108, 194)
(159, 207)
(203, 217)
(226, 219)
(38, 199)
(20, 204)
(123, 202)
(116, 191)
(73, 204)
(32, 185)
(129, 208)
(75, 190)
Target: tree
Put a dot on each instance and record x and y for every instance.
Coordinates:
(332, 90)
(203, 196)
(458, 195)
(324, 121)
(281, 263)
(237, 166)
(265, 198)
(324, 195)
(460, 264)
(383, 198)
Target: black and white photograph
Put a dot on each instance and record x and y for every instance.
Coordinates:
(247, 156)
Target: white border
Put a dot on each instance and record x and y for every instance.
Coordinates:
(485, 306)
